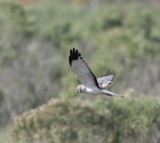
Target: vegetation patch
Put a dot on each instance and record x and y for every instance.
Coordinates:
(79, 120)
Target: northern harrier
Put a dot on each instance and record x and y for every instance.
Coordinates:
(89, 83)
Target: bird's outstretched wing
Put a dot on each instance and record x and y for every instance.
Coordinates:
(81, 69)
(106, 80)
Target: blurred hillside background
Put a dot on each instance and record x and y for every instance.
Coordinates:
(118, 35)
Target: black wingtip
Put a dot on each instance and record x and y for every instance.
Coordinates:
(74, 55)
(70, 61)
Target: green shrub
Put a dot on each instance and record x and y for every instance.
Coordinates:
(79, 120)
(14, 18)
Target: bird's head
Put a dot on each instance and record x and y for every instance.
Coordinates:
(80, 89)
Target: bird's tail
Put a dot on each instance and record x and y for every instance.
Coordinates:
(106, 92)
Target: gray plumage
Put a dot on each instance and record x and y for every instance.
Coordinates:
(89, 82)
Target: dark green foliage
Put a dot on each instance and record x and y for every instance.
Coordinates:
(14, 18)
(1, 97)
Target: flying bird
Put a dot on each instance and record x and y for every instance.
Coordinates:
(89, 82)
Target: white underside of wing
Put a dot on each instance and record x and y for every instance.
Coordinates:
(98, 91)
(105, 84)
(106, 81)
